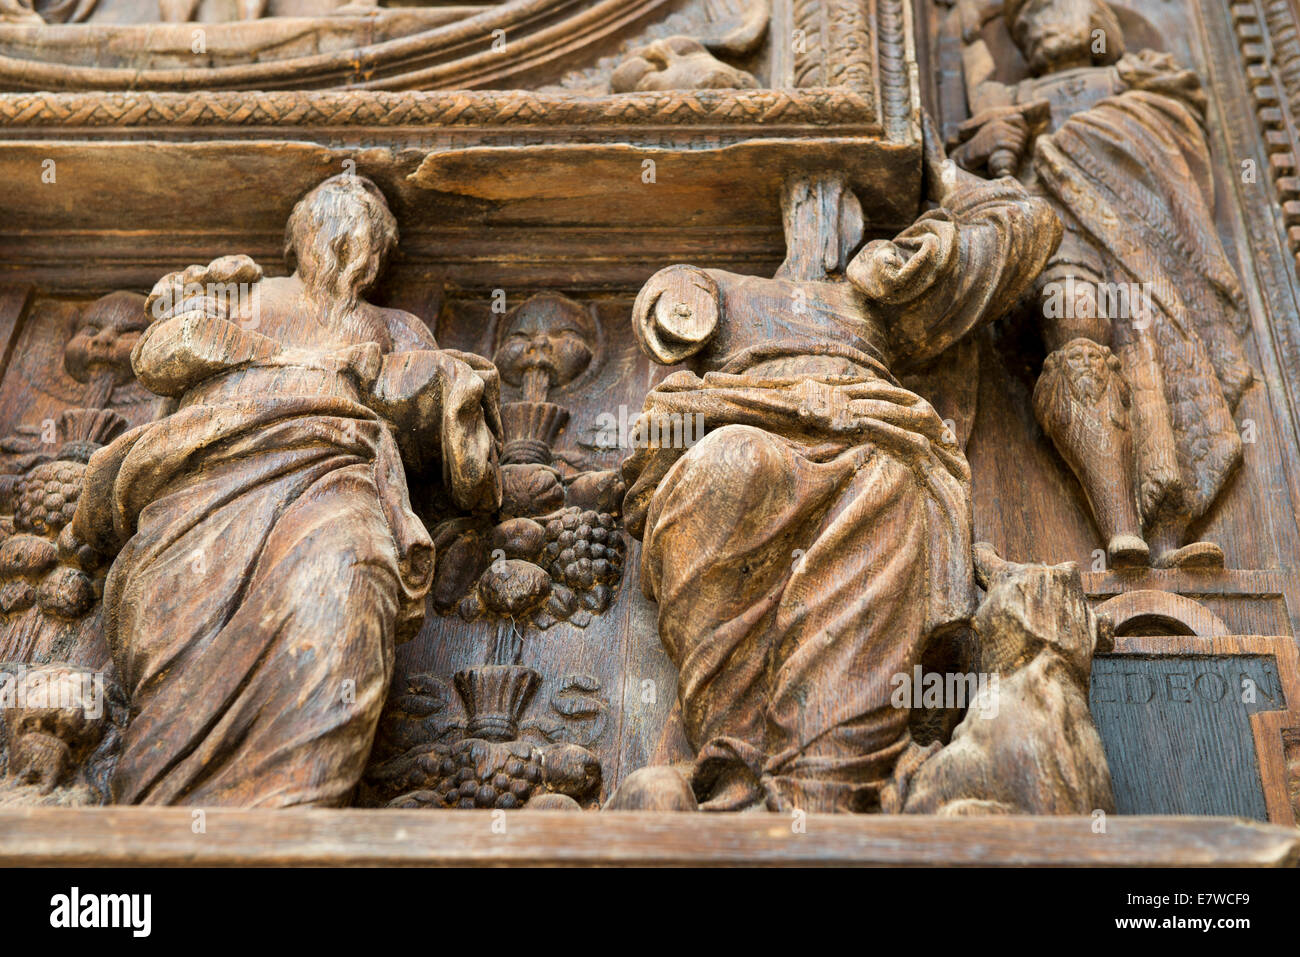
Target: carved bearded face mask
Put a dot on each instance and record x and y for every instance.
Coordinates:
(109, 330)
(1059, 35)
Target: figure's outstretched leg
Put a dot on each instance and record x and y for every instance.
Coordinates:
(718, 545)
(853, 617)
(790, 593)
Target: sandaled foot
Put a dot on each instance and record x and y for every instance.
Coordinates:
(1128, 551)
(1195, 555)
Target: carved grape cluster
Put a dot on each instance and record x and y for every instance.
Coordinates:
(482, 774)
(584, 553)
(501, 775)
(46, 497)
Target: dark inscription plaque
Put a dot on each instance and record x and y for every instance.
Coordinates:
(1177, 734)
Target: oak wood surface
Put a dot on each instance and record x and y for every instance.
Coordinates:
(543, 191)
(122, 836)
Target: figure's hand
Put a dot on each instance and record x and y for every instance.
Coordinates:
(198, 326)
(996, 139)
(999, 138)
(201, 288)
(676, 313)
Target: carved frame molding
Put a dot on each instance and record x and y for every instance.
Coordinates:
(845, 85)
(1268, 41)
(163, 836)
(866, 111)
(817, 111)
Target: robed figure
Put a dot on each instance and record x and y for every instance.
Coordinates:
(268, 557)
(1142, 313)
(807, 550)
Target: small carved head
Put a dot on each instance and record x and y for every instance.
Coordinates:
(1088, 370)
(549, 333)
(1059, 35)
(677, 63)
(340, 235)
(1031, 609)
(110, 328)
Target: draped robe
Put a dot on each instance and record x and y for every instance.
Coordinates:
(806, 550)
(270, 558)
(1131, 178)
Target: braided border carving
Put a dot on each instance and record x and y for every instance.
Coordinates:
(837, 44)
(818, 108)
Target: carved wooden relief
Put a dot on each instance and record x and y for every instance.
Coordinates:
(861, 407)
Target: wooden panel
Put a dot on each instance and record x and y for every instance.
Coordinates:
(164, 836)
(1197, 725)
(1177, 735)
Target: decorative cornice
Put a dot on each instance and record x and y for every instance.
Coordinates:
(759, 112)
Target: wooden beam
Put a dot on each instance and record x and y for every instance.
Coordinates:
(135, 836)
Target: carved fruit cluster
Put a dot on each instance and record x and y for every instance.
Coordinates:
(484, 774)
(46, 497)
(39, 563)
(505, 775)
(563, 566)
(584, 551)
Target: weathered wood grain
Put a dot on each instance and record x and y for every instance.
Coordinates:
(815, 543)
(164, 837)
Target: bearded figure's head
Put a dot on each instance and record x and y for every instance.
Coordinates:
(1059, 35)
(339, 237)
